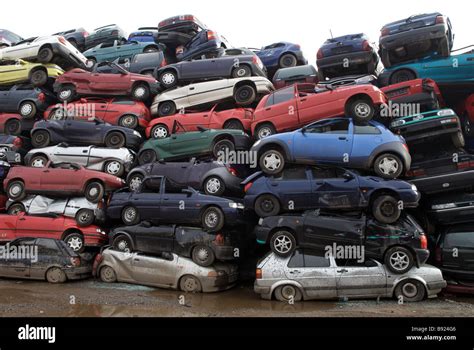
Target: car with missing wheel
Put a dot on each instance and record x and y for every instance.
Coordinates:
(336, 141)
(119, 50)
(318, 187)
(84, 212)
(25, 99)
(293, 107)
(190, 242)
(59, 180)
(115, 161)
(51, 226)
(400, 245)
(149, 270)
(82, 133)
(309, 275)
(19, 71)
(159, 200)
(243, 91)
(55, 263)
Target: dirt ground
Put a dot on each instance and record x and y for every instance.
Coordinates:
(94, 298)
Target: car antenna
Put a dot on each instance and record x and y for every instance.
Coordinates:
(330, 32)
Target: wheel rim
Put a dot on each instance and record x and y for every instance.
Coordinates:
(140, 92)
(128, 121)
(37, 77)
(288, 292)
(3, 151)
(113, 168)
(362, 110)
(38, 163)
(222, 147)
(282, 244)
(244, 94)
(75, 243)
(55, 275)
(160, 132)
(130, 214)
(190, 284)
(13, 127)
(264, 132)
(123, 245)
(40, 138)
(58, 114)
(241, 72)
(15, 190)
(26, 109)
(202, 254)
(211, 219)
(165, 108)
(213, 185)
(387, 209)
(147, 156)
(93, 192)
(135, 183)
(267, 206)
(168, 78)
(410, 290)
(115, 140)
(84, 217)
(399, 261)
(272, 161)
(388, 166)
(65, 94)
(16, 210)
(107, 273)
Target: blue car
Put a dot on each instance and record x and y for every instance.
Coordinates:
(144, 35)
(355, 49)
(281, 55)
(336, 141)
(456, 69)
(330, 188)
(205, 43)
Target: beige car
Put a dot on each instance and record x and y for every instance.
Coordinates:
(244, 91)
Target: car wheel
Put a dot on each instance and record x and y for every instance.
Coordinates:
(361, 110)
(386, 209)
(443, 47)
(287, 60)
(45, 55)
(245, 95)
(168, 79)
(458, 139)
(128, 121)
(267, 205)
(38, 161)
(160, 131)
(66, 93)
(85, 217)
(399, 260)
(166, 108)
(135, 181)
(130, 216)
(107, 274)
(28, 109)
(283, 243)
(402, 75)
(39, 77)
(410, 290)
(141, 92)
(214, 186)
(147, 156)
(55, 275)
(288, 293)
(241, 72)
(114, 167)
(75, 241)
(123, 243)
(222, 147)
(40, 139)
(233, 125)
(212, 219)
(91, 62)
(264, 130)
(16, 190)
(272, 162)
(388, 166)
(94, 192)
(203, 255)
(57, 114)
(13, 127)
(16, 208)
(190, 284)
(150, 49)
(115, 139)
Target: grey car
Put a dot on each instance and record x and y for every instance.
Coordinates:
(307, 275)
(166, 271)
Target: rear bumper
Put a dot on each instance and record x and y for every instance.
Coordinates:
(355, 58)
(436, 287)
(60, 50)
(425, 99)
(450, 181)
(224, 253)
(452, 215)
(422, 256)
(95, 239)
(429, 128)
(393, 41)
(242, 142)
(217, 284)
(76, 273)
(264, 291)
(462, 275)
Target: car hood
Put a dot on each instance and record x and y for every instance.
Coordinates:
(374, 181)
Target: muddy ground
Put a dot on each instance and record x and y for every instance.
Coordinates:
(94, 298)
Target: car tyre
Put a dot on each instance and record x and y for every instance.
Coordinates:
(287, 60)
(107, 274)
(147, 156)
(40, 139)
(135, 181)
(288, 293)
(272, 162)
(212, 219)
(233, 125)
(388, 166)
(85, 217)
(203, 255)
(399, 260)
(13, 127)
(114, 167)
(130, 216)
(458, 139)
(443, 47)
(190, 284)
(28, 109)
(160, 131)
(362, 110)
(410, 290)
(75, 241)
(141, 92)
(386, 209)
(123, 243)
(168, 79)
(267, 205)
(94, 192)
(401, 76)
(264, 130)
(128, 121)
(241, 72)
(214, 186)
(224, 146)
(245, 95)
(55, 275)
(45, 55)
(166, 108)
(283, 243)
(115, 139)
(38, 161)
(16, 208)
(66, 93)
(39, 77)
(16, 190)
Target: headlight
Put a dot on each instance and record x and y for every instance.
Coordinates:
(136, 133)
(413, 187)
(443, 206)
(260, 221)
(397, 123)
(129, 157)
(446, 113)
(236, 205)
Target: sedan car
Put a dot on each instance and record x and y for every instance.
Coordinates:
(244, 91)
(78, 82)
(337, 141)
(119, 50)
(282, 278)
(168, 271)
(55, 263)
(190, 242)
(51, 226)
(105, 34)
(19, 71)
(59, 180)
(115, 161)
(25, 99)
(81, 133)
(160, 200)
(302, 188)
(84, 212)
(295, 75)
(281, 55)
(400, 245)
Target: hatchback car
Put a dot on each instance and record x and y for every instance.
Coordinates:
(295, 75)
(25, 99)
(281, 55)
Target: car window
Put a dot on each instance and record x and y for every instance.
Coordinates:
(460, 239)
(315, 260)
(297, 173)
(24, 87)
(151, 186)
(338, 126)
(5, 88)
(366, 130)
(284, 95)
(123, 102)
(173, 187)
(324, 173)
(295, 71)
(47, 247)
(297, 259)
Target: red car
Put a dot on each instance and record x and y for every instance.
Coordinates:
(14, 124)
(61, 179)
(116, 111)
(51, 226)
(238, 118)
(465, 109)
(119, 82)
(300, 104)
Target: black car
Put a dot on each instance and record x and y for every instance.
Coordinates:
(25, 99)
(210, 176)
(77, 37)
(83, 133)
(191, 242)
(105, 34)
(55, 262)
(13, 148)
(160, 200)
(450, 208)
(142, 63)
(293, 75)
(178, 30)
(400, 245)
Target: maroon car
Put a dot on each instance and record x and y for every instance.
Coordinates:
(117, 82)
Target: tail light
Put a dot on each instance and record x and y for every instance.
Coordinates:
(41, 97)
(188, 18)
(85, 34)
(319, 55)
(232, 171)
(439, 19)
(114, 32)
(438, 254)
(18, 142)
(258, 274)
(298, 46)
(465, 165)
(423, 241)
(384, 31)
(163, 63)
(62, 40)
(76, 261)
(247, 186)
(211, 35)
(219, 239)
(366, 46)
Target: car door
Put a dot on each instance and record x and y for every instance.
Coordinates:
(178, 206)
(360, 278)
(365, 139)
(8, 227)
(16, 71)
(58, 178)
(154, 270)
(84, 133)
(154, 239)
(449, 69)
(188, 144)
(281, 109)
(40, 226)
(207, 92)
(78, 155)
(49, 253)
(4, 100)
(191, 121)
(114, 81)
(293, 188)
(148, 199)
(18, 265)
(458, 248)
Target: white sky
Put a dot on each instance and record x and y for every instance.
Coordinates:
(251, 23)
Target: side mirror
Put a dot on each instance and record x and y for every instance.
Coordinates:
(348, 176)
(187, 191)
(303, 130)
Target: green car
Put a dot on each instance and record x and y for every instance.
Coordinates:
(184, 145)
(112, 51)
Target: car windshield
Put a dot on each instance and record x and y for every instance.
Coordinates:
(294, 72)
(12, 37)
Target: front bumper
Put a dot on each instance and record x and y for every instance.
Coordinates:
(412, 36)
(429, 128)
(95, 239)
(354, 58)
(264, 291)
(223, 252)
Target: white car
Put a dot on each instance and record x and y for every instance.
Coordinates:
(79, 208)
(113, 161)
(244, 91)
(45, 49)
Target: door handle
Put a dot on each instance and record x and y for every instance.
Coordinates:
(21, 219)
(320, 182)
(342, 271)
(191, 88)
(45, 171)
(342, 138)
(294, 271)
(268, 109)
(273, 184)
(303, 99)
(85, 151)
(166, 199)
(136, 259)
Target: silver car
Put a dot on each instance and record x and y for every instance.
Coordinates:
(168, 271)
(85, 212)
(108, 160)
(244, 91)
(308, 275)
